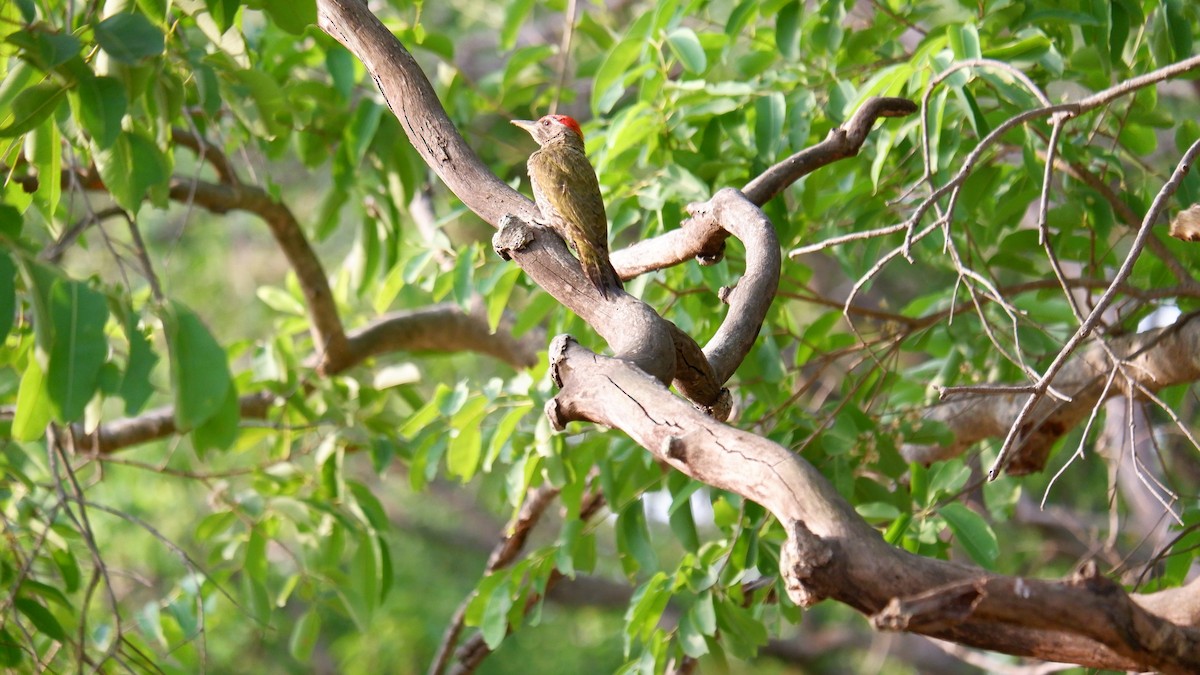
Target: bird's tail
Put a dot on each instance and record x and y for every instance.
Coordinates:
(600, 272)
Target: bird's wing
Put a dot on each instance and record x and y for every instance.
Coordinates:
(569, 185)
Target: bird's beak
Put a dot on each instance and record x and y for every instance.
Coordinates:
(527, 125)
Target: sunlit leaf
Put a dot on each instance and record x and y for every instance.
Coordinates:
(31, 107)
(292, 15)
(199, 371)
(129, 37)
(973, 532)
(78, 349)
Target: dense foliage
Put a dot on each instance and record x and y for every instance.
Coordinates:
(168, 165)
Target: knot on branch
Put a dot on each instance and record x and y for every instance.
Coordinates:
(513, 235)
(721, 408)
(712, 249)
(675, 448)
(803, 554)
(557, 354)
(1088, 576)
(929, 612)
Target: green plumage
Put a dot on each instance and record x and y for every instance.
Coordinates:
(568, 195)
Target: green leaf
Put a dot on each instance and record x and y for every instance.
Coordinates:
(31, 107)
(1179, 28)
(8, 294)
(686, 47)
(497, 299)
(947, 478)
(11, 221)
(741, 631)
(1139, 139)
(200, 377)
(368, 573)
(292, 15)
(787, 30)
(280, 300)
(10, 650)
(304, 636)
(223, 12)
(68, 569)
(132, 167)
(633, 539)
(646, 608)
(41, 618)
(465, 448)
(20, 73)
(514, 19)
(973, 532)
(494, 624)
(47, 50)
(129, 38)
(46, 155)
(964, 41)
(255, 563)
(221, 430)
(78, 349)
(768, 126)
(135, 385)
(609, 82)
(33, 411)
(504, 431)
(102, 105)
(1030, 47)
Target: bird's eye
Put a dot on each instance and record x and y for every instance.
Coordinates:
(545, 123)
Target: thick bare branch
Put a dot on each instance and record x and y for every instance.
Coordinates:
(633, 330)
(414, 102)
(439, 328)
(831, 552)
(754, 294)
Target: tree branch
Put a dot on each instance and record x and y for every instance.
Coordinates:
(1153, 360)
(414, 102)
(705, 240)
(440, 328)
(326, 326)
(831, 552)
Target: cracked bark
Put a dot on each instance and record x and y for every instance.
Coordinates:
(832, 553)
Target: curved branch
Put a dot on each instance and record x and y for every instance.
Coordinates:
(157, 424)
(842, 142)
(412, 99)
(749, 301)
(1153, 360)
(633, 330)
(831, 552)
(441, 328)
(705, 240)
(328, 335)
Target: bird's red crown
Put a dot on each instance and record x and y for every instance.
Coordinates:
(568, 122)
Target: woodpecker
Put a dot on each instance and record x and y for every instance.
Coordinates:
(568, 195)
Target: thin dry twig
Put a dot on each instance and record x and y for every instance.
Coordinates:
(1102, 304)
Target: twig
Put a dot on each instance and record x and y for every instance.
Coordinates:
(1085, 329)
(564, 51)
(503, 554)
